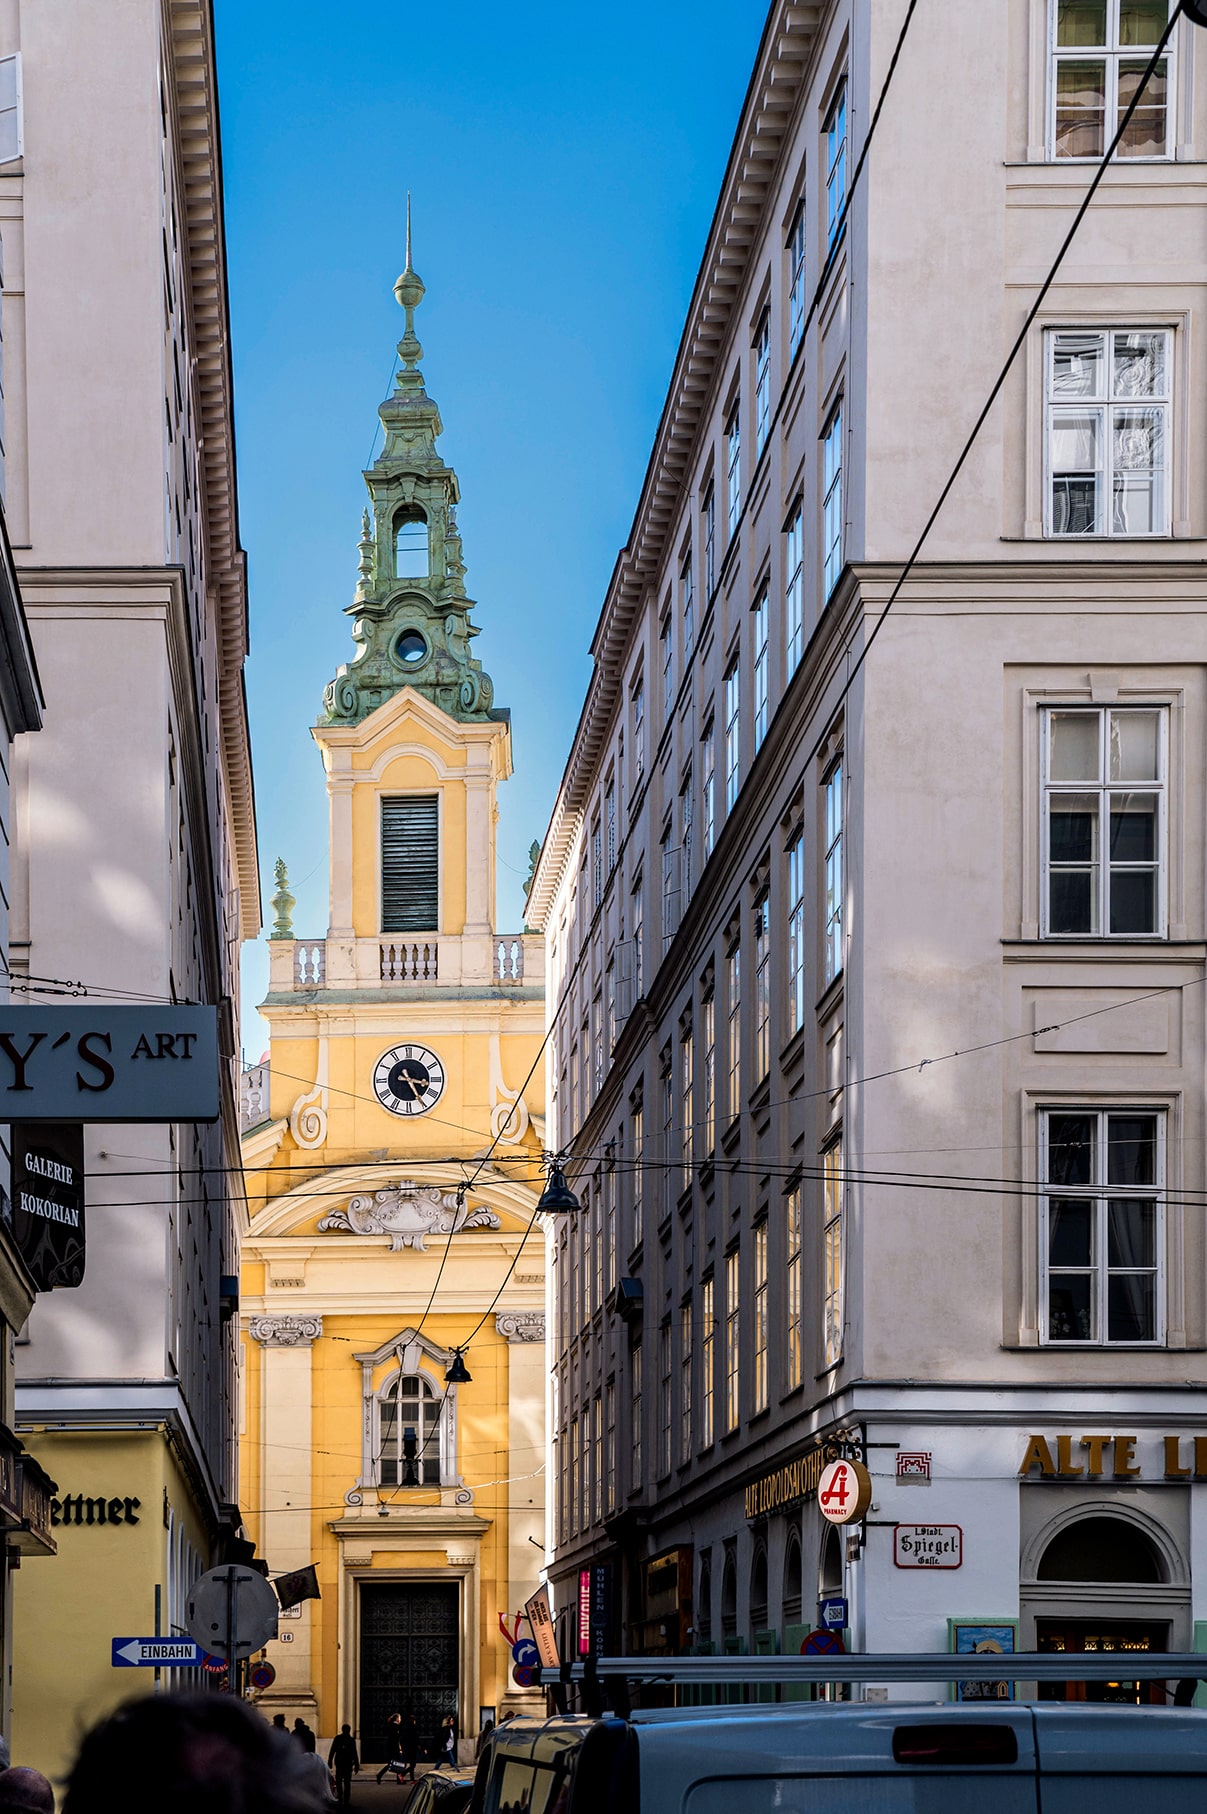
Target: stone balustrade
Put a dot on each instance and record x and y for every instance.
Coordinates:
(415, 961)
(253, 1096)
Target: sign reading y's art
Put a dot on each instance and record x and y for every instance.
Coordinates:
(108, 1064)
(48, 1201)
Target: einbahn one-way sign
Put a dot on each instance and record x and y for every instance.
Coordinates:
(157, 1653)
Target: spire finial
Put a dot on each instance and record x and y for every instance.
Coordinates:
(408, 265)
(409, 291)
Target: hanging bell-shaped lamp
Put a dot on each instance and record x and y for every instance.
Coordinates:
(557, 1199)
(1196, 11)
(457, 1373)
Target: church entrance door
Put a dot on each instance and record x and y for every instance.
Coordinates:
(409, 1657)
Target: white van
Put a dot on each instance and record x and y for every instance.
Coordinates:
(1045, 1757)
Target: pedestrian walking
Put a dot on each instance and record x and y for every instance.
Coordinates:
(344, 1758)
(483, 1736)
(304, 1734)
(448, 1743)
(394, 1759)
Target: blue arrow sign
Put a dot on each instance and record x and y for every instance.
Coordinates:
(157, 1653)
(524, 1654)
(832, 1614)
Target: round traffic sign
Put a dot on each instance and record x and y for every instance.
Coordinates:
(526, 1675)
(823, 1644)
(525, 1653)
(263, 1675)
(232, 1595)
(844, 1491)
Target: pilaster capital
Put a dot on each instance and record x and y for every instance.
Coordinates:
(521, 1325)
(285, 1331)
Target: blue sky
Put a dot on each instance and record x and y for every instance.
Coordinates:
(564, 163)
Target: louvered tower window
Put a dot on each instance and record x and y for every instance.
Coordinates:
(410, 863)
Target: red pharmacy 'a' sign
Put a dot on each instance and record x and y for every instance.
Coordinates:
(844, 1491)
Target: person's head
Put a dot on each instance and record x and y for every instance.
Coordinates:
(299, 1724)
(25, 1791)
(195, 1754)
(278, 1720)
(346, 1730)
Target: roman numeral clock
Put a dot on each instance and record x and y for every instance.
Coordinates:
(408, 1080)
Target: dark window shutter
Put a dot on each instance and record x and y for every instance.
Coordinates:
(410, 863)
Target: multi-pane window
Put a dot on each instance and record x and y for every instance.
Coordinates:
(832, 1253)
(762, 383)
(609, 1219)
(1100, 49)
(410, 1407)
(638, 732)
(638, 1118)
(574, 1494)
(762, 987)
(709, 513)
(685, 1383)
(792, 1241)
(1108, 432)
(733, 1006)
(597, 1455)
(610, 824)
(667, 648)
(708, 1311)
(596, 864)
(733, 1342)
(796, 931)
(831, 501)
(796, 280)
(686, 1090)
(760, 1317)
(610, 1006)
(638, 939)
(668, 1131)
(794, 590)
(1103, 1174)
(664, 1401)
(597, 1044)
(833, 904)
(708, 1034)
(733, 466)
(685, 838)
(635, 1415)
(760, 667)
(733, 733)
(836, 165)
(687, 600)
(1104, 822)
(670, 889)
(708, 788)
(610, 1445)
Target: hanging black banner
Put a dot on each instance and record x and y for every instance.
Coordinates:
(48, 1200)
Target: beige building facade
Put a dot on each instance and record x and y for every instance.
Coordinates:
(880, 1054)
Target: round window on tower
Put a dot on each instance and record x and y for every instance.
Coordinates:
(411, 648)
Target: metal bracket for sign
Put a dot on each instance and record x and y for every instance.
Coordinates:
(947, 1666)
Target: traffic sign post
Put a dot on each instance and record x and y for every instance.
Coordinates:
(832, 1613)
(158, 1653)
(232, 1611)
(526, 1675)
(823, 1644)
(524, 1654)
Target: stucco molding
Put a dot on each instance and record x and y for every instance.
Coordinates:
(408, 1212)
(521, 1325)
(285, 1331)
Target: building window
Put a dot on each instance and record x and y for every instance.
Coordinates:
(11, 135)
(596, 864)
(762, 987)
(836, 166)
(638, 939)
(635, 1415)
(610, 824)
(686, 1083)
(1108, 432)
(685, 1383)
(1100, 50)
(762, 383)
(792, 1241)
(708, 1018)
(670, 889)
(667, 649)
(708, 1313)
(733, 1340)
(760, 667)
(760, 1317)
(708, 788)
(1103, 1175)
(796, 281)
(832, 1252)
(1104, 822)
(597, 1455)
(687, 599)
(796, 931)
(410, 544)
(610, 1445)
(668, 1129)
(733, 1005)
(733, 730)
(597, 1045)
(733, 466)
(574, 1496)
(710, 544)
(794, 591)
(685, 840)
(610, 1006)
(609, 1216)
(410, 863)
(831, 504)
(664, 1401)
(832, 790)
(409, 1407)
(638, 733)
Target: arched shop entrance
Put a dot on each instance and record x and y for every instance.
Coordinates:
(1105, 1580)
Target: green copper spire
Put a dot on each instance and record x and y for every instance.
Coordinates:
(410, 611)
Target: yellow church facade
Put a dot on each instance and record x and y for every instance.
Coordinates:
(392, 1427)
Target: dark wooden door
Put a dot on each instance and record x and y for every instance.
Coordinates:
(409, 1658)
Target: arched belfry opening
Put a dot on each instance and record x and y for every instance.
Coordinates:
(411, 550)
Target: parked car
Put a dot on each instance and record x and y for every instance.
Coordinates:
(439, 1792)
(821, 1758)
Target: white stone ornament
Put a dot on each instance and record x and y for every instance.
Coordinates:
(408, 1212)
(286, 1331)
(521, 1325)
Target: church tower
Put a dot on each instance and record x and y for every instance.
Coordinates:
(393, 1153)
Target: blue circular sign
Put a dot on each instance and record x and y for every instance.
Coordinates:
(524, 1654)
(822, 1644)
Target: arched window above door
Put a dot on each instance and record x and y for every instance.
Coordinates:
(408, 1403)
(1101, 1549)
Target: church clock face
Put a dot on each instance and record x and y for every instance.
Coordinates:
(408, 1080)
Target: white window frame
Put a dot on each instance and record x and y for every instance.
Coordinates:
(794, 588)
(835, 130)
(795, 867)
(833, 1235)
(1104, 788)
(709, 513)
(833, 903)
(1100, 1193)
(796, 279)
(708, 787)
(733, 733)
(831, 499)
(761, 1370)
(1112, 54)
(1103, 407)
(794, 1358)
(688, 597)
(733, 465)
(761, 615)
(733, 1339)
(708, 1344)
(762, 383)
(17, 109)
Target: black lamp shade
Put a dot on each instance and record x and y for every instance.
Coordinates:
(457, 1373)
(557, 1199)
(1196, 11)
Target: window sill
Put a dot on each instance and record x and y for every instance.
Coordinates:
(828, 999)
(731, 1135)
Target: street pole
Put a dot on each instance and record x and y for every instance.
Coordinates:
(232, 1588)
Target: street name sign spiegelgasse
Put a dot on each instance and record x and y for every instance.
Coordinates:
(108, 1063)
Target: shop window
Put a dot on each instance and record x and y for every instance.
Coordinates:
(792, 1582)
(1101, 1549)
(758, 1590)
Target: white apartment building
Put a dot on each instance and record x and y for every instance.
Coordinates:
(877, 989)
(134, 863)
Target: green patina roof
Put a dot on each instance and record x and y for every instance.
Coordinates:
(411, 631)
